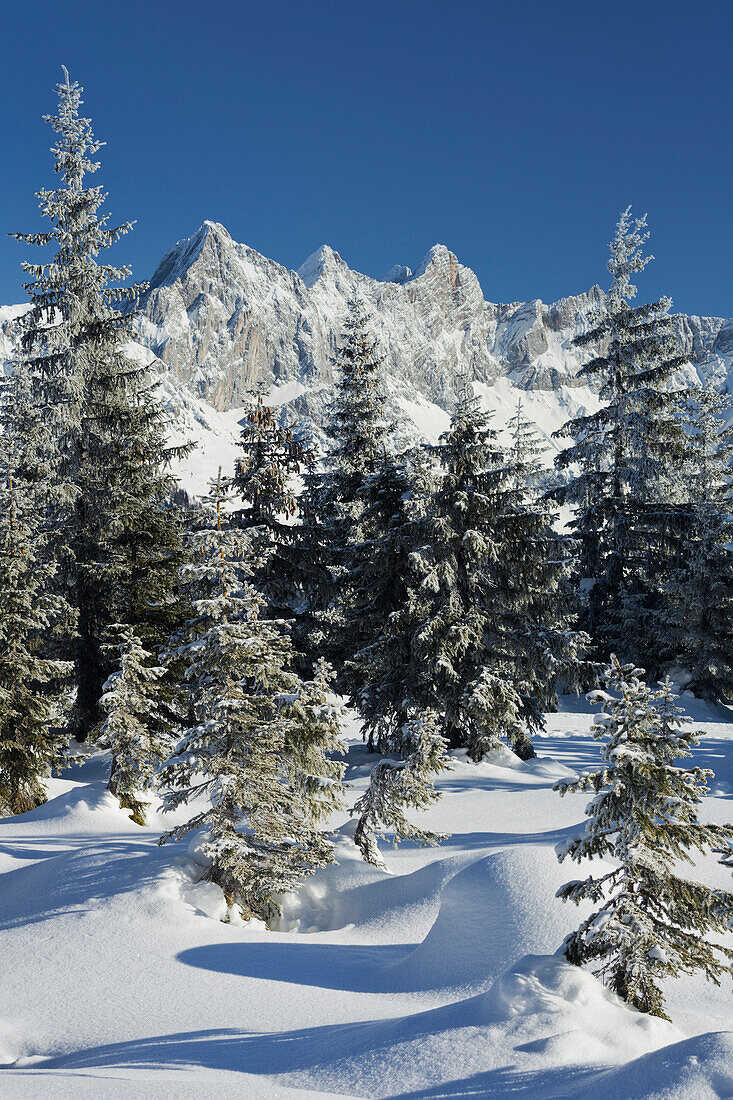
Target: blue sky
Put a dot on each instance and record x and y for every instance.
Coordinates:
(513, 133)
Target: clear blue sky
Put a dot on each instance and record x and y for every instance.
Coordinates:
(513, 133)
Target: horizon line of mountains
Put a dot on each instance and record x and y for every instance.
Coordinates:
(219, 318)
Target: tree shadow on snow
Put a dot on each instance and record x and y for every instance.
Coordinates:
(505, 1084)
(231, 1049)
(322, 1055)
(72, 879)
(358, 969)
(493, 842)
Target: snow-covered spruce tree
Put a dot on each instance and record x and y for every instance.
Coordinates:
(546, 648)
(104, 455)
(474, 614)
(32, 687)
(457, 601)
(333, 504)
(144, 539)
(134, 724)
(396, 786)
(623, 461)
(651, 924)
(275, 453)
(358, 425)
(257, 749)
(700, 587)
(374, 674)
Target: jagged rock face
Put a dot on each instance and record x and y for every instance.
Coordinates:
(219, 318)
(222, 317)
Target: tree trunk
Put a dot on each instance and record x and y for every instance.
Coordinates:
(89, 669)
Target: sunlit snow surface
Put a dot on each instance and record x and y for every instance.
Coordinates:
(118, 978)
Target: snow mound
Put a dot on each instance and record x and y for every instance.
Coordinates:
(694, 1069)
(493, 912)
(543, 1030)
(542, 766)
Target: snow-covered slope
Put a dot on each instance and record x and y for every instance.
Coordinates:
(439, 979)
(219, 317)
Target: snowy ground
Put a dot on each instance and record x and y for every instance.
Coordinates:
(117, 977)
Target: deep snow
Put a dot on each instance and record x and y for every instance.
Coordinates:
(439, 979)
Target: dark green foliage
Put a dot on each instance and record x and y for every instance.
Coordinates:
(699, 625)
(375, 671)
(483, 631)
(274, 455)
(33, 696)
(333, 505)
(651, 923)
(626, 456)
(102, 455)
(258, 740)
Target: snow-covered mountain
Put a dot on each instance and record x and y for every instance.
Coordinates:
(219, 317)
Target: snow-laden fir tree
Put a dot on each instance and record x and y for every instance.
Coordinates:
(135, 728)
(274, 455)
(699, 626)
(104, 453)
(456, 602)
(396, 786)
(487, 614)
(545, 647)
(256, 756)
(358, 423)
(333, 504)
(624, 460)
(650, 924)
(144, 539)
(375, 672)
(33, 687)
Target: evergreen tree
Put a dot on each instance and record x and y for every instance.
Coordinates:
(358, 426)
(379, 584)
(456, 601)
(333, 503)
(651, 923)
(135, 727)
(144, 538)
(546, 649)
(626, 456)
(259, 740)
(699, 626)
(396, 786)
(103, 455)
(32, 686)
(274, 455)
(487, 619)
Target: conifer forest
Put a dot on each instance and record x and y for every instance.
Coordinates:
(383, 756)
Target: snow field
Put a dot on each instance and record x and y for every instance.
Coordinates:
(438, 979)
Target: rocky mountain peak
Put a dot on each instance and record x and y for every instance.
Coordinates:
(219, 317)
(323, 262)
(438, 257)
(184, 253)
(398, 273)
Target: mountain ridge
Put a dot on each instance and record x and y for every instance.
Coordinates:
(218, 319)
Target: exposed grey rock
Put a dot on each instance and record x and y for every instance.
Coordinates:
(222, 317)
(219, 318)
